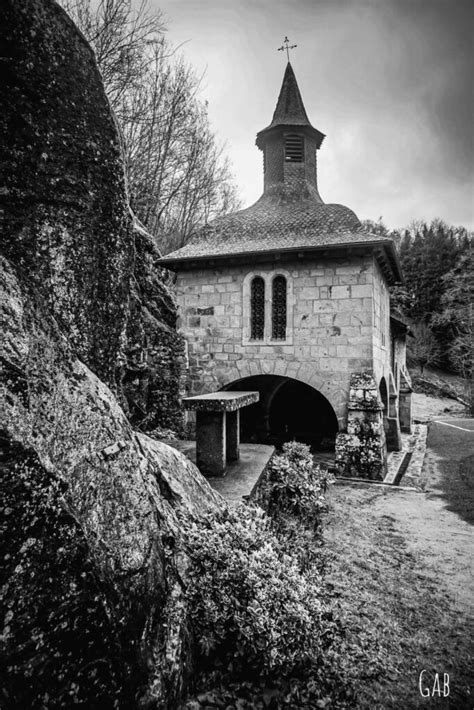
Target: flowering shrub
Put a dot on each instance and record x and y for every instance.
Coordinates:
(254, 613)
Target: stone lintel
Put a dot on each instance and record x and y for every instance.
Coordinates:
(221, 401)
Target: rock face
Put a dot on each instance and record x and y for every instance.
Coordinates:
(154, 352)
(66, 224)
(93, 569)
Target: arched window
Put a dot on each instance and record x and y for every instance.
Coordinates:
(257, 308)
(293, 148)
(279, 308)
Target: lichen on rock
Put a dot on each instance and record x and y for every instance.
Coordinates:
(93, 563)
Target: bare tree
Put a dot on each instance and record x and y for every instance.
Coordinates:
(177, 173)
(423, 348)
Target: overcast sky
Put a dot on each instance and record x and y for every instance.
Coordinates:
(390, 83)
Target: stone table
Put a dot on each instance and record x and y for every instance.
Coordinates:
(217, 428)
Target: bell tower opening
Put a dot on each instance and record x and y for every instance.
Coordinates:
(294, 148)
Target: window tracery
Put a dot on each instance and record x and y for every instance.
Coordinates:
(257, 308)
(279, 308)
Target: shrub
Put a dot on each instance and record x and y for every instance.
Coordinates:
(254, 613)
(293, 484)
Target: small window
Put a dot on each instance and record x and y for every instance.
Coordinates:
(257, 308)
(279, 308)
(294, 148)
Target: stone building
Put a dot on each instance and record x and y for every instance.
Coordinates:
(290, 297)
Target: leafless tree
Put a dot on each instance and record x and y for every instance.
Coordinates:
(423, 348)
(177, 173)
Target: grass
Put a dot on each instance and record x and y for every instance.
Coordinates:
(394, 609)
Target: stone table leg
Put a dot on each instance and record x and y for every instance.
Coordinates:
(211, 443)
(233, 435)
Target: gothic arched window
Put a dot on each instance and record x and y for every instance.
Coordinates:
(257, 308)
(279, 308)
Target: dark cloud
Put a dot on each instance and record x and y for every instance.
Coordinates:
(388, 81)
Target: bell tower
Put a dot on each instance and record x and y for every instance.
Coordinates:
(289, 146)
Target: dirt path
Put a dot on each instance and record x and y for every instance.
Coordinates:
(402, 565)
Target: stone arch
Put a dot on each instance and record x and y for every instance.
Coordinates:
(383, 391)
(384, 395)
(288, 409)
(334, 386)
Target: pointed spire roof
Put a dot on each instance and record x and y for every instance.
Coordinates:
(290, 107)
(290, 110)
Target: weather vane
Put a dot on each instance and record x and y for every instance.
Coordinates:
(286, 45)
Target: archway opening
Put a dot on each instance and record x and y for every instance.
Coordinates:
(287, 410)
(384, 397)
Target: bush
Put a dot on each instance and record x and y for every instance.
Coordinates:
(254, 613)
(293, 484)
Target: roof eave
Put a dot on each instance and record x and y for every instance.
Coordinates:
(307, 129)
(387, 245)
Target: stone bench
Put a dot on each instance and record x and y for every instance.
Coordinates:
(217, 428)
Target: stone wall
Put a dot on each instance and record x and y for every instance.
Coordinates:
(381, 323)
(332, 314)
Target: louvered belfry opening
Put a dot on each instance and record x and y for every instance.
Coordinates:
(279, 308)
(294, 148)
(257, 308)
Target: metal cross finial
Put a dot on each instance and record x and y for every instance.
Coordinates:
(286, 45)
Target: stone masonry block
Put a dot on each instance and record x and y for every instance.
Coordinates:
(310, 293)
(324, 306)
(341, 292)
(361, 291)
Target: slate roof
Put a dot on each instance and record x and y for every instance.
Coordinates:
(286, 218)
(290, 110)
(274, 225)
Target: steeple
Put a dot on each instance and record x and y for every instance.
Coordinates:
(289, 145)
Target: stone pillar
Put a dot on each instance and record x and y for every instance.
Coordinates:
(361, 452)
(393, 434)
(211, 442)
(232, 427)
(405, 401)
(405, 411)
